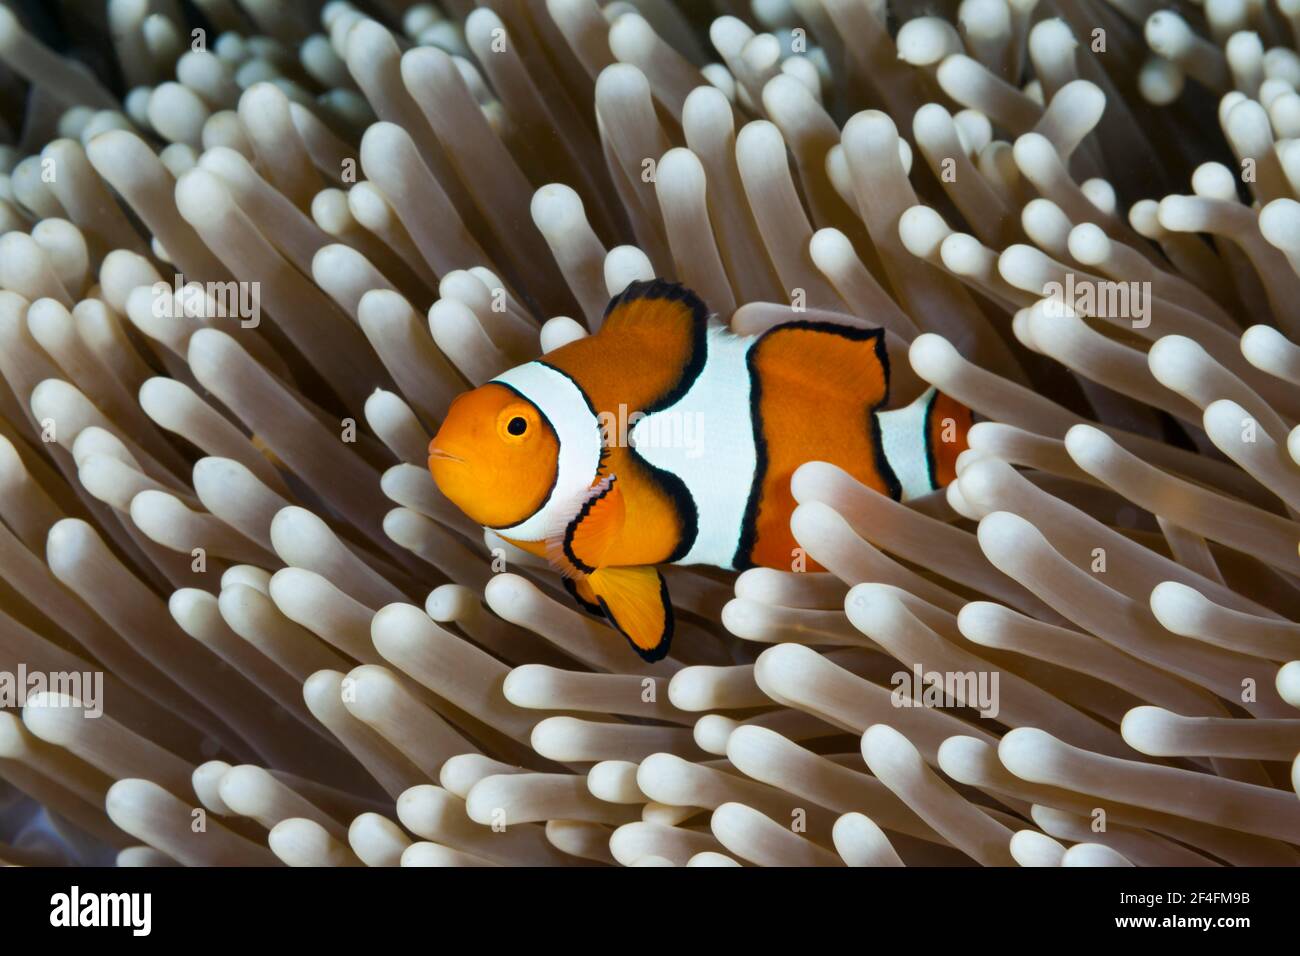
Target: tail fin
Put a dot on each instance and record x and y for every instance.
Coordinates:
(946, 426)
(922, 441)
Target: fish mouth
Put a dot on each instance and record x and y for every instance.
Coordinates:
(437, 454)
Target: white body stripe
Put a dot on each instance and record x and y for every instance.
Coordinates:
(706, 439)
(566, 408)
(903, 436)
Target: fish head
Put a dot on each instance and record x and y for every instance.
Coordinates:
(496, 456)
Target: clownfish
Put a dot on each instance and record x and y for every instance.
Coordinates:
(718, 424)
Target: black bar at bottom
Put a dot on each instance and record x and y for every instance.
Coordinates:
(822, 907)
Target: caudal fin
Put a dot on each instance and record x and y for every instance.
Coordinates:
(946, 426)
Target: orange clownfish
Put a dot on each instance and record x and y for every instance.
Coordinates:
(718, 424)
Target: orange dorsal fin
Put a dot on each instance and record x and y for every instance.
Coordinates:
(844, 363)
(651, 344)
(658, 307)
(635, 599)
(589, 535)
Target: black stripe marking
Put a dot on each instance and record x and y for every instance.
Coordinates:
(931, 463)
(743, 558)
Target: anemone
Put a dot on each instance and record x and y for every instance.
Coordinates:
(251, 251)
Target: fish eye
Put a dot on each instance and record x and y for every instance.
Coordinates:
(516, 423)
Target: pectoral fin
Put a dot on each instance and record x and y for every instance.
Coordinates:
(592, 532)
(635, 599)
